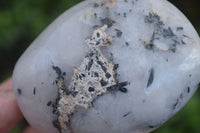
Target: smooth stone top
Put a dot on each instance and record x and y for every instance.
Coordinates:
(157, 51)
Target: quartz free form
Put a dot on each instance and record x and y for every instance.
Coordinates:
(109, 66)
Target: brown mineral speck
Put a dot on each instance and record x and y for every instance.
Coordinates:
(110, 2)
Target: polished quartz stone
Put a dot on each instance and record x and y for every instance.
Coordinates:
(109, 66)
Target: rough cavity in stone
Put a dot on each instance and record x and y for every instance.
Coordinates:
(94, 77)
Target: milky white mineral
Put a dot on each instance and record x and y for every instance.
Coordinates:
(109, 66)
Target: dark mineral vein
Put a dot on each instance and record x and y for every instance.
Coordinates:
(107, 21)
(151, 77)
(128, 113)
(19, 91)
(117, 86)
(61, 86)
(34, 90)
(60, 80)
(161, 31)
(118, 33)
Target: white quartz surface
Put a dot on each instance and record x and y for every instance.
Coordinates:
(157, 51)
